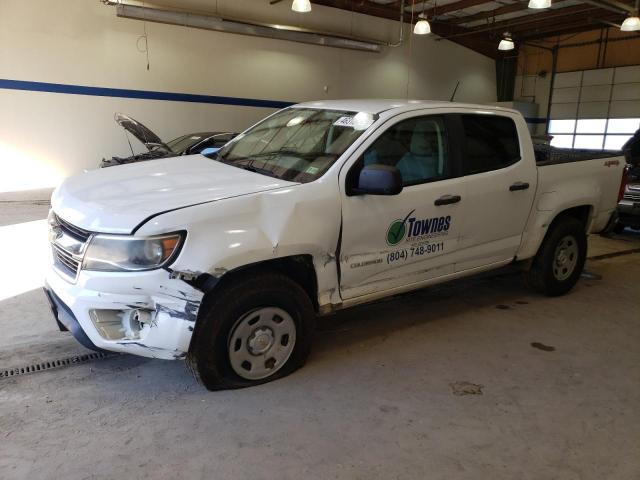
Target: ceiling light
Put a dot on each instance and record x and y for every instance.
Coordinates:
(630, 24)
(422, 26)
(539, 3)
(506, 43)
(301, 6)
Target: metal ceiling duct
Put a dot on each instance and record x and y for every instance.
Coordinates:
(612, 5)
(218, 24)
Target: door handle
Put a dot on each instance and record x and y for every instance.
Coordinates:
(447, 200)
(518, 186)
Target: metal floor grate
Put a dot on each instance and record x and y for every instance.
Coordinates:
(51, 364)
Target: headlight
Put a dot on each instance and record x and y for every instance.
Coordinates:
(117, 253)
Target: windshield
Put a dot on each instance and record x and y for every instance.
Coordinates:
(297, 145)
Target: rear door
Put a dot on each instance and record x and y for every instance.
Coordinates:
(391, 241)
(500, 177)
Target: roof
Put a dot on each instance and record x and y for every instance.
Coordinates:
(377, 106)
(480, 24)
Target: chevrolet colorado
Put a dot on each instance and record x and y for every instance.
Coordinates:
(227, 261)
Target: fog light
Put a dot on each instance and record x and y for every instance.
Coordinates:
(121, 324)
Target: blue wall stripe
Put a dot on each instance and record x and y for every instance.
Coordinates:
(140, 94)
(151, 95)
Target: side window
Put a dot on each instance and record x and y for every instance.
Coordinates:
(491, 143)
(417, 147)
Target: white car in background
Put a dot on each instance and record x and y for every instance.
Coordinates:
(321, 206)
(205, 143)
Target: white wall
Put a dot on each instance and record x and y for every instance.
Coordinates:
(535, 89)
(46, 136)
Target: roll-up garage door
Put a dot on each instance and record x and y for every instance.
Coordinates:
(595, 109)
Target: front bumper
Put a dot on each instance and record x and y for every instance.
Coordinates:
(629, 213)
(171, 303)
(67, 322)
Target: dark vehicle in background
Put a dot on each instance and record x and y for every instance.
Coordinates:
(629, 204)
(206, 143)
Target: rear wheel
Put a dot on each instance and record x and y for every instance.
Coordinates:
(255, 330)
(618, 227)
(559, 262)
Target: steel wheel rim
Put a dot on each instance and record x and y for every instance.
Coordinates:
(260, 342)
(565, 258)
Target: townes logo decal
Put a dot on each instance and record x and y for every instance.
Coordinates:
(411, 228)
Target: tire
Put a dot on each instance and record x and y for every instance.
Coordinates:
(558, 264)
(618, 227)
(266, 320)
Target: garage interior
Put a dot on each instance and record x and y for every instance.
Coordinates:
(475, 378)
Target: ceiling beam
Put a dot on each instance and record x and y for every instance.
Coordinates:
(582, 25)
(480, 45)
(613, 5)
(610, 24)
(542, 24)
(514, 7)
(454, 7)
(390, 11)
(544, 16)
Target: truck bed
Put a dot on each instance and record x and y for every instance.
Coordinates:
(595, 182)
(548, 155)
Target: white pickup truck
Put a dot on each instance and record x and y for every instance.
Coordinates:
(227, 261)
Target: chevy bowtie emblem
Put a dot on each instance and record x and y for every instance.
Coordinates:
(54, 233)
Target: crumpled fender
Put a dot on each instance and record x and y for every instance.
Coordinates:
(235, 232)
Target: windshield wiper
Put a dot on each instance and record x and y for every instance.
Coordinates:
(231, 161)
(263, 171)
(251, 157)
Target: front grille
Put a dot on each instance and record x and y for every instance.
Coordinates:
(72, 230)
(635, 197)
(65, 261)
(68, 244)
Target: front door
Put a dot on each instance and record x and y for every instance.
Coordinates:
(391, 241)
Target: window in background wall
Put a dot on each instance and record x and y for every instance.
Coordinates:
(597, 133)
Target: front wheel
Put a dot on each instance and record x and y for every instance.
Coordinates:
(559, 262)
(255, 330)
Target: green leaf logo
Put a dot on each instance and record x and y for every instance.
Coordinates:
(397, 230)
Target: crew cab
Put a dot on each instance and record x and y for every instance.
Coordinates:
(227, 261)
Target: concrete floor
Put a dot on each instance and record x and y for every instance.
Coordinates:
(379, 398)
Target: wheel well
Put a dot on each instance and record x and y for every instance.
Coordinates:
(581, 213)
(298, 268)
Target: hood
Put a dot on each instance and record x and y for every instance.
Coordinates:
(142, 133)
(117, 200)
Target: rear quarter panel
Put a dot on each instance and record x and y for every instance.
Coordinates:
(594, 183)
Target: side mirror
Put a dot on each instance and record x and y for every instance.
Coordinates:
(379, 180)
